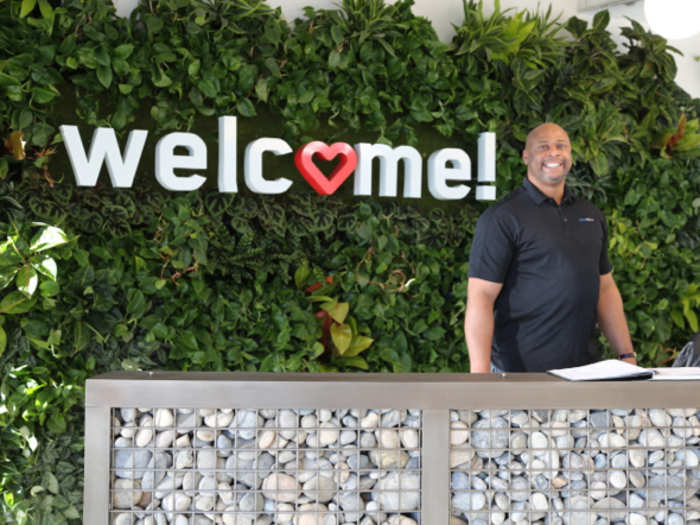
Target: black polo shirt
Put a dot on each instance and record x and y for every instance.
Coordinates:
(549, 259)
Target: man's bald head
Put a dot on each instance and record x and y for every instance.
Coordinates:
(547, 155)
(546, 128)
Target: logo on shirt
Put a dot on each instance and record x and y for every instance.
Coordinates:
(586, 219)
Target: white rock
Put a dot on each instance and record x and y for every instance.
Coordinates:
(206, 434)
(163, 418)
(398, 519)
(539, 502)
(314, 514)
(143, 437)
(637, 457)
(367, 440)
(612, 440)
(165, 438)
(176, 501)
(652, 438)
(285, 513)
(617, 479)
(206, 459)
(281, 487)
(246, 422)
(659, 417)
(320, 488)
(637, 479)
(613, 508)
(458, 433)
(634, 518)
(221, 419)
(288, 420)
(266, 438)
(409, 438)
(123, 519)
(389, 438)
(461, 456)
(399, 491)
(385, 458)
(129, 430)
(309, 421)
(184, 458)
(189, 481)
(538, 440)
(329, 435)
(347, 437)
(126, 493)
(370, 421)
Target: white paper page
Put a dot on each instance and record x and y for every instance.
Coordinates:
(687, 373)
(608, 369)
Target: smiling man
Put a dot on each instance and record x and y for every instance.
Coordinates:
(539, 275)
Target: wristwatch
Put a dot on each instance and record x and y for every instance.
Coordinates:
(627, 355)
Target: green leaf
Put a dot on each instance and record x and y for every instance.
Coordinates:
(47, 266)
(193, 68)
(27, 7)
(262, 90)
(341, 334)
(42, 95)
(27, 280)
(359, 344)
(123, 51)
(137, 303)
(81, 336)
(337, 34)
(16, 303)
(355, 361)
(301, 275)
(51, 483)
(317, 349)
(334, 59)
(337, 311)
(49, 237)
(162, 80)
(104, 75)
(3, 340)
(49, 288)
(245, 107)
(45, 9)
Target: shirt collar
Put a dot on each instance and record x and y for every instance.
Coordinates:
(538, 197)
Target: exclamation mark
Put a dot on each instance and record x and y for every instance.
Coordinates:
(487, 167)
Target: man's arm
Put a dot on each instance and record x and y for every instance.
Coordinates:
(478, 322)
(611, 318)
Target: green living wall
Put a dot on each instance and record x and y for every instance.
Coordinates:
(126, 279)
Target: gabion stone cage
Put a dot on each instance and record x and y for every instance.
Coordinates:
(265, 449)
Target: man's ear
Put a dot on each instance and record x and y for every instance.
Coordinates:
(525, 156)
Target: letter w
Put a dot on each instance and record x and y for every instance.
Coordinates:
(104, 146)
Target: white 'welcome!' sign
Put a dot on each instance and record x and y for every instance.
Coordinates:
(448, 169)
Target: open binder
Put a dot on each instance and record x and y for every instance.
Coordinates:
(616, 370)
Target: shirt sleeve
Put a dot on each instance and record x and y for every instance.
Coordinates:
(492, 247)
(604, 265)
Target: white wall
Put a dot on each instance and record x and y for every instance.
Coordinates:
(444, 13)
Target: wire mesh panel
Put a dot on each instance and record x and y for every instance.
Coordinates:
(265, 466)
(626, 466)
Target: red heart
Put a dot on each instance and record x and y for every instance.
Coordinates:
(316, 179)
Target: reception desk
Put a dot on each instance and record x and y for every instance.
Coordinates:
(398, 449)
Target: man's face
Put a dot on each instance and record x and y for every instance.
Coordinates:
(547, 155)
